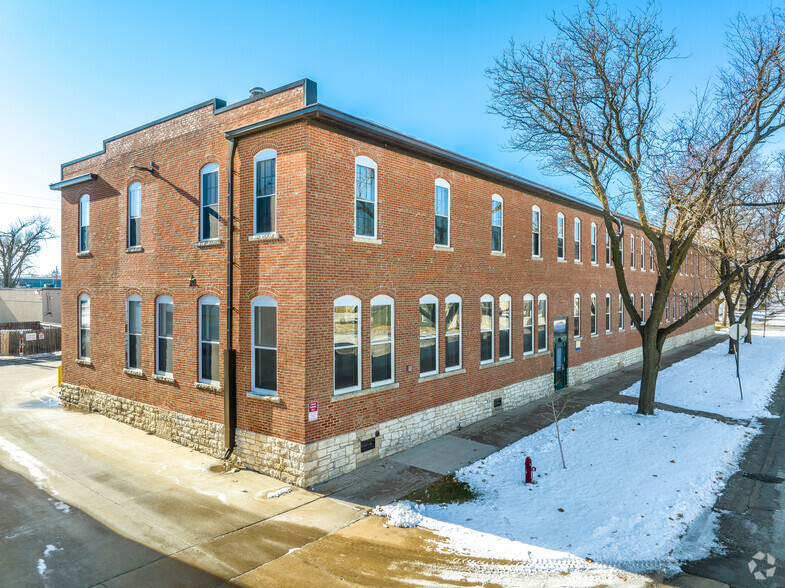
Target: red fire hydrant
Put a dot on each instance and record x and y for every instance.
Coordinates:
(529, 469)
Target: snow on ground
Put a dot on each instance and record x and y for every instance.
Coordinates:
(632, 487)
(707, 381)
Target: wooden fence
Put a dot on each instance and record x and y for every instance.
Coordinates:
(29, 341)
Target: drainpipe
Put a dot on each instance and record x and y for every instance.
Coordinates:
(230, 354)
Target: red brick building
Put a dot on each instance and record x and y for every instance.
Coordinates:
(383, 291)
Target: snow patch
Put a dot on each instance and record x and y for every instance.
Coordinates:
(277, 493)
(27, 461)
(41, 566)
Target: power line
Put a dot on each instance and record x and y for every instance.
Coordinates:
(31, 205)
(47, 199)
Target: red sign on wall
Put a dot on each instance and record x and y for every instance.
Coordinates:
(313, 411)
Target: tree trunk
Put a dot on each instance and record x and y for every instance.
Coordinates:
(748, 324)
(730, 311)
(652, 353)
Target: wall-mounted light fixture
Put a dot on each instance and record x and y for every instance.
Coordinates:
(192, 281)
(143, 168)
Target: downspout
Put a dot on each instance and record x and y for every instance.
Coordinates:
(230, 354)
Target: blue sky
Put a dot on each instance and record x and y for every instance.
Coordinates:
(75, 73)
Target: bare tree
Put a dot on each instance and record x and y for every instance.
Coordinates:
(19, 243)
(587, 103)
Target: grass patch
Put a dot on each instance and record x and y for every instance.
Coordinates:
(443, 491)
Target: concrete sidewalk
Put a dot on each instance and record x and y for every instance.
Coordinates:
(388, 479)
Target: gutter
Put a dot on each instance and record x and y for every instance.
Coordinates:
(230, 354)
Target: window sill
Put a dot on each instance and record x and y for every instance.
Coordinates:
(452, 372)
(209, 243)
(594, 336)
(578, 262)
(538, 354)
(372, 390)
(84, 254)
(133, 372)
(84, 362)
(495, 363)
(206, 386)
(265, 397)
(442, 248)
(578, 338)
(561, 260)
(360, 239)
(594, 264)
(265, 237)
(134, 249)
(498, 254)
(163, 378)
(536, 257)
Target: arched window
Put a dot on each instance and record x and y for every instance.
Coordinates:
(576, 316)
(365, 213)
(164, 335)
(593, 243)
(209, 217)
(632, 251)
(382, 340)
(536, 251)
(346, 344)
(453, 353)
(528, 324)
(542, 322)
(643, 308)
(208, 339)
(135, 215)
(441, 233)
(593, 314)
(497, 220)
(265, 187)
(429, 335)
(84, 326)
(264, 361)
(607, 248)
(84, 223)
(621, 250)
(505, 326)
(643, 254)
(651, 256)
(632, 303)
(560, 236)
(133, 332)
(577, 233)
(486, 328)
(621, 313)
(607, 313)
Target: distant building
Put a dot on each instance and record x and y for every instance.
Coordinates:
(39, 282)
(369, 291)
(25, 305)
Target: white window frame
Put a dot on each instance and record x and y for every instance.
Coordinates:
(369, 163)
(208, 169)
(643, 254)
(487, 298)
(529, 298)
(264, 302)
(440, 183)
(593, 315)
(163, 299)
(537, 234)
(265, 155)
(508, 299)
(576, 229)
(431, 299)
(632, 252)
(651, 256)
(576, 313)
(632, 300)
(608, 256)
(134, 188)
(667, 309)
(84, 298)
(621, 313)
(383, 300)
(132, 298)
(621, 250)
(608, 314)
(542, 297)
(643, 307)
(451, 299)
(84, 213)
(560, 236)
(494, 199)
(350, 301)
(593, 244)
(208, 300)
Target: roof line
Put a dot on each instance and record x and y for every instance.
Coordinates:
(73, 181)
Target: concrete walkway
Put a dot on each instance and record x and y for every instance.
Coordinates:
(388, 479)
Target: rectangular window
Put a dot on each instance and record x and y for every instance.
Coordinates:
(208, 342)
(365, 201)
(593, 243)
(593, 315)
(528, 325)
(134, 334)
(607, 248)
(381, 343)
(651, 256)
(560, 236)
(608, 314)
(442, 221)
(84, 327)
(535, 232)
(496, 224)
(452, 339)
(210, 205)
(428, 338)
(265, 196)
(265, 348)
(134, 214)
(84, 223)
(164, 337)
(486, 331)
(621, 250)
(632, 303)
(643, 255)
(576, 316)
(632, 251)
(542, 323)
(577, 230)
(621, 313)
(505, 324)
(346, 344)
(643, 308)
